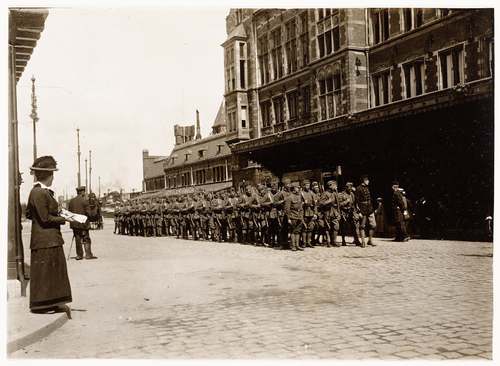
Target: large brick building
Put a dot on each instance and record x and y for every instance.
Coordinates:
(395, 93)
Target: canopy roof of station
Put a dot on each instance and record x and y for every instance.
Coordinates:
(25, 27)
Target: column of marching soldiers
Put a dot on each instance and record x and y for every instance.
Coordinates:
(292, 216)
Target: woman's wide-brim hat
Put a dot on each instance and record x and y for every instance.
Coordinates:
(44, 163)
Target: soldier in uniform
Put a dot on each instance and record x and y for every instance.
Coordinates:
(293, 207)
(223, 196)
(249, 205)
(367, 215)
(309, 203)
(158, 218)
(215, 217)
(266, 205)
(279, 200)
(80, 205)
(399, 207)
(315, 231)
(124, 218)
(116, 215)
(330, 206)
(349, 214)
(231, 215)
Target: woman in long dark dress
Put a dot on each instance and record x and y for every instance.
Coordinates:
(50, 289)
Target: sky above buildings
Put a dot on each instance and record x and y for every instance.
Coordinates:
(124, 77)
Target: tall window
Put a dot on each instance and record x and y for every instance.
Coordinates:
(412, 18)
(265, 111)
(242, 65)
(293, 104)
(263, 60)
(244, 116)
(291, 46)
(452, 67)
(414, 78)
(277, 54)
(279, 111)
(329, 41)
(381, 87)
(330, 96)
(380, 25)
(306, 101)
(304, 38)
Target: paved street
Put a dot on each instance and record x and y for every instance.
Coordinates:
(169, 298)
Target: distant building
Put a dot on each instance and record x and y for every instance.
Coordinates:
(194, 162)
(152, 171)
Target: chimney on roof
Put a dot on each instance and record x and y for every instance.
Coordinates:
(198, 131)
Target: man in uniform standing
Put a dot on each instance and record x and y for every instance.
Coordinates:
(309, 202)
(349, 218)
(330, 205)
(80, 205)
(367, 217)
(399, 207)
(279, 201)
(293, 207)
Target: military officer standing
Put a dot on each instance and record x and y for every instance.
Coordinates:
(399, 208)
(367, 217)
(309, 202)
(80, 205)
(330, 206)
(293, 207)
(349, 217)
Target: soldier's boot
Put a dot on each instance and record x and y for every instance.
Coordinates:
(344, 243)
(334, 239)
(88, 252)
(370, 236)
(297, 241)
(328, 242)
(363, 242)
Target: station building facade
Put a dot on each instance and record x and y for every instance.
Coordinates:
(400, 93)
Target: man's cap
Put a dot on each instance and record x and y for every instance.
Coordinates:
(80, 188)
(395, 183)
(44, 163)
(364, 176)
(349, 184)
(296, 184)
(331, 182)
(315, 183)
(306, 181)
(286, 181)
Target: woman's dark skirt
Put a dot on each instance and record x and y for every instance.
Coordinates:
(49, 283)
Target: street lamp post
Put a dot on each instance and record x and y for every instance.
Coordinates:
(86, 178)
(33, 115)
(78, 154)
(90, 171)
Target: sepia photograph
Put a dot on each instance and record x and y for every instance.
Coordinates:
(223, 181)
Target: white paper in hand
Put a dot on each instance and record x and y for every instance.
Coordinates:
(71, 216)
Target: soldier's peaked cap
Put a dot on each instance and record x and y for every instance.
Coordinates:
(286, 180)
(80, 188)
(306, 181)
(44, 163)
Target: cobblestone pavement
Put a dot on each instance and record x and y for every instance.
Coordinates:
(169, 298)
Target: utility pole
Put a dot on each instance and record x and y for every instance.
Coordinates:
(78, 153)
(33, 115)
(90, 171)
(99, 186)
(86, 178)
